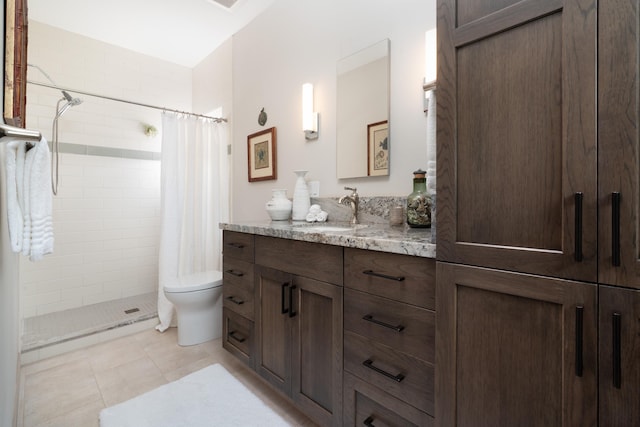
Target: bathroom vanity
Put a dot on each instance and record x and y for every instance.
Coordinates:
(339, 319)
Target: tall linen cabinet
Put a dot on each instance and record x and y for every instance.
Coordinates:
(538, 273)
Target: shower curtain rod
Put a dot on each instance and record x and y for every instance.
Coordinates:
(216, 119)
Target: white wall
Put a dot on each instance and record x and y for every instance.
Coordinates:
(9, 300)
(106, 213)
(296, 41)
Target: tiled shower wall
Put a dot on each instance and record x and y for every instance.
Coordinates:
(106, 214)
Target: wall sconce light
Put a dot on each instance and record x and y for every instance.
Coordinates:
(309, 117)
(430, 64)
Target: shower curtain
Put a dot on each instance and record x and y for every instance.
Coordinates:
(194, 199)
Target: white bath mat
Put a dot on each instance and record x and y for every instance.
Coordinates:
(208, 397)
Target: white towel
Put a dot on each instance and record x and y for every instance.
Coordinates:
(29, 200)
(40, 200)
(15, 153)
(431, 143)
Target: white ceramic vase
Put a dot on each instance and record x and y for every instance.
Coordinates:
(301, 200)
(279, 207)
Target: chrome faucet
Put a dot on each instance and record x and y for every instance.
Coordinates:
(353, 200)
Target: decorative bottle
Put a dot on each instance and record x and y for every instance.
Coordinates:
(279, 207)
(301, 199)
(419, 202)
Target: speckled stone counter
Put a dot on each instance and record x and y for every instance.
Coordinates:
(375, 237)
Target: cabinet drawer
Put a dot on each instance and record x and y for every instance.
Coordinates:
(237, 336)
(400, 277)
(313, 260)
(238, 273)
(403, 376)
(406, 328)
(366, 403)
(238, 245)
(239, 300)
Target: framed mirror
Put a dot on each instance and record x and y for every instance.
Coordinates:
(15, 62)
(362, 133)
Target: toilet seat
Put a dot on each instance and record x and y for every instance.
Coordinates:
(195, 282)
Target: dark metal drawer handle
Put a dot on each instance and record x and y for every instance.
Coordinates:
(235, 273)
(578, 227)
(369, 421)
(615, 229)
(369, 318)
(235, 300)
(617, 342)
(233, 335)
(384, 276)
(291, 312)
(369, 364)
(236, 245)
(282, 301)
(579, 341)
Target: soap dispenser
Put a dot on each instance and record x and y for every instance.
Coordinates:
(419, 202)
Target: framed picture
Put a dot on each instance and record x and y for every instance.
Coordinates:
(378, 149)
(261, 149)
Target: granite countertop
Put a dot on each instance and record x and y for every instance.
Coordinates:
(376, 237)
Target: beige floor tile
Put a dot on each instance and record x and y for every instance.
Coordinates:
(86, 416)
(70, 390)
(128, 380)
(108, 355)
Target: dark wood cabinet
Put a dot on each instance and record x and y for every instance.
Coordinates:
(618, 143)
(389, 339)
(517, 135)
(514, 349)
(619, 357)
(237, 293)
(299, 324)
(539, 172)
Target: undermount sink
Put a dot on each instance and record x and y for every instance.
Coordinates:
(328, 228)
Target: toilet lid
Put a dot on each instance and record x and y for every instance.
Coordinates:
(195, 282)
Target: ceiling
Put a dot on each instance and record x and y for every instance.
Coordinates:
(183, 32)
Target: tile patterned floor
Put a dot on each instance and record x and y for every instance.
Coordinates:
(70, 390)
(54, 328)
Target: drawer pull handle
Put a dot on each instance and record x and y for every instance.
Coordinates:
(233, 334)
(579, 341)
(369, 364)
(617, 362)
(578, 227)
(235, 300)
(369, 318)
(615, 229)
(291, 312)
(369, 421)
(282, 300)
(236, 245)
(384, 276)
(235, 273)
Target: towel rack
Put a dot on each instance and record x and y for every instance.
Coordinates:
(7, 130)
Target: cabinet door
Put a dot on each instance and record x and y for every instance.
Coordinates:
(517, 135)
(317, 350)
(273, 328)
(618, 122)
(514, 349)
(619, 371)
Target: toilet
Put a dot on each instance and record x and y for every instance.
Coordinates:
(197, 299)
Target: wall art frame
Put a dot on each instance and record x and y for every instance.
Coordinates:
(378, 148)
(262, 155)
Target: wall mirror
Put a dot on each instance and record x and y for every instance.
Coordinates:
(362, 123)
(15, 67)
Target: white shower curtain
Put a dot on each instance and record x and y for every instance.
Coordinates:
(195, 198)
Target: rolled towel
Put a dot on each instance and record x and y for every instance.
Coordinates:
(315, 209)
(322, 216)
(311, 217)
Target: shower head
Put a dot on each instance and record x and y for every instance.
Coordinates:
(71, 102)
(70, 99)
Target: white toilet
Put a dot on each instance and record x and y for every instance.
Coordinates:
(198, 302)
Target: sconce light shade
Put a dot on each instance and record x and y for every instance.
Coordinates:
(430, 56)
(309, 117)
